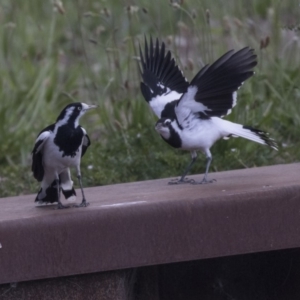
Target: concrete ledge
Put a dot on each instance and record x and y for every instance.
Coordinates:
(259, 276)
(104, 286)
(150, 223)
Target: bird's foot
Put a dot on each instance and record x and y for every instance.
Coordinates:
(84, 203)
(181, 181)
(205, 181)
(191, 181)
(41, 203)
(61, 206)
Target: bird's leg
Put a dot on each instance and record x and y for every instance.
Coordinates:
(182, 178)
(59, 205)
(208, 162)
(192, 181)
(83, 203)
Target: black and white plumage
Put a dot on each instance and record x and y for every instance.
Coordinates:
(190, 114)
(57, 148)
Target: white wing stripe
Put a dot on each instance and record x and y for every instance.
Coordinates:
(42, 138)
(158, 103)
(187, 104)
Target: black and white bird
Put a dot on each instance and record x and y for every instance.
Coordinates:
(57, 148)
(190, 114)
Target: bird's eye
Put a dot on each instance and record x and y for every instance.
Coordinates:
(167, 122)
(78, 108)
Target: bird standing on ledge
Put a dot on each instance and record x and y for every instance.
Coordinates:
(57, 148)
(191, 113)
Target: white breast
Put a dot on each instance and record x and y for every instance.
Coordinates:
(53, 158)
(200, 134)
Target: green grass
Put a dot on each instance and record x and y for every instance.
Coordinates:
(89, 54)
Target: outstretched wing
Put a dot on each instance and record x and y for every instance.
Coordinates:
(213, 91)
(37, 155)
(163, 81)
(86, 142)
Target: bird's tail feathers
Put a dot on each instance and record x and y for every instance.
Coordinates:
(252, 134)
(70, 195)
(66, 185)
(48, 195)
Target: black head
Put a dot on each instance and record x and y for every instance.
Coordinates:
(163, 122)
(72, 112)
(163, 126)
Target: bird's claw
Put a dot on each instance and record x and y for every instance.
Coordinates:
(190, 181)
(84, 203)
(181, 181)
(61, 206)
(205, 181)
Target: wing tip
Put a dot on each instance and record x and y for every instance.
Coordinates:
(159, 70)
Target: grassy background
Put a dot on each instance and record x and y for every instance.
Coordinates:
(86, 50)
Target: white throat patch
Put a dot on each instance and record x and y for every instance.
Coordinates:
(65, 119)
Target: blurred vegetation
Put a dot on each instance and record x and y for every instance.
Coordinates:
(52, 52)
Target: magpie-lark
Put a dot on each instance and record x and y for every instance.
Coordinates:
(57, 148)
(190, 114)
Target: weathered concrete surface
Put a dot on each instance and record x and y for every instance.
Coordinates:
(104, 286)
(150, 223)
(259, 276)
